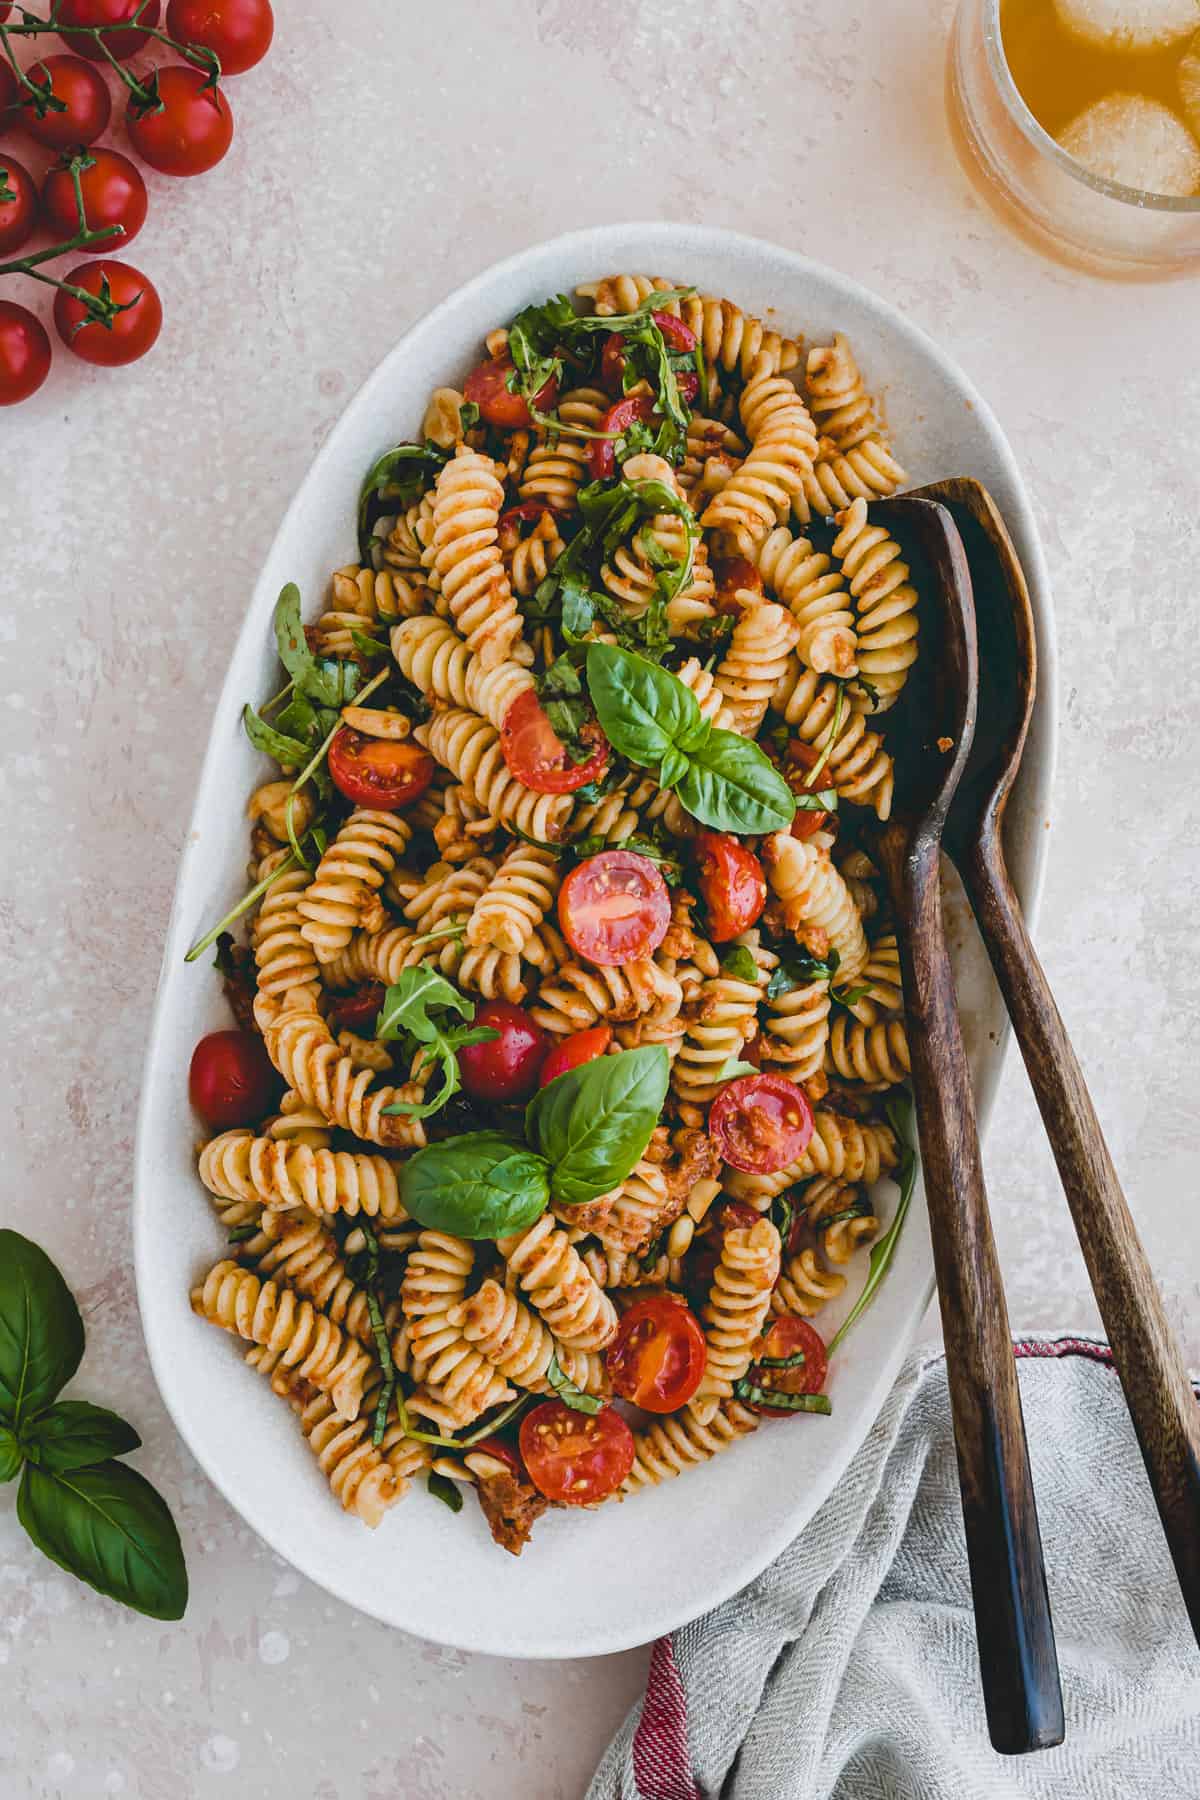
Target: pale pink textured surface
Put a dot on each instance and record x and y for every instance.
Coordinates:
(372, 172)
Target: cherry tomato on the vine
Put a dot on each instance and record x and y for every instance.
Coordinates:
(732, 884)
(538, 757)
(240, 31)
(506, 1067)
(760, 1123)
(84, 94)
(789, 1337)
(113, 194)
(18, 216)
(231, 1081)
(129, 334)
(581, 1047)
(358, 1011)
(9, 98)
(487, 386)
(24, 353)
(614, 907)
(658, 1355)
(123, 44)
(6, 7)
(384, 773)
(191, 132)
(575, 1457)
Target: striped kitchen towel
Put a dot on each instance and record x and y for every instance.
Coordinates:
(848, 1669)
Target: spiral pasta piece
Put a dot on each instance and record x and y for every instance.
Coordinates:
(640, 1207)
(466, 555)
(298, 1338)
(359, 1477)
(449, 892)
(868, 472)
(517, 1343)
(470, 748)
(882, 994)
(886, 603)
(301, 1253)
(530, 559)
(556, 470)
(738, 1303)
(579, 994)
(680, 1441)
(709, 697)
(850, 1149)
(827, 1204)
(837, 396)
(282, 954)
(874, 1055)
(754, 662)
(512, 907)
(783, 445)
(732, 340)
(858, 767)
(435, 659)
(435, 1281)
(796, 1029)
(285, 1174)
(344, 893)
(722, 1018)
(814, 592)
(548, 1268)
(805, 1286)
(302, 1048)
(816, 901)
(493, 975)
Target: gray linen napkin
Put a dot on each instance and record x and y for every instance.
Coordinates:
(848, 1669)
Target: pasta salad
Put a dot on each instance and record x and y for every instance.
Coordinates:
(570, 1031)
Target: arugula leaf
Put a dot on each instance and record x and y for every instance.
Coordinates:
(326, 680)
(593, 1123)
(241, 1234)
(396, 479)
(405, 1015)
(289, 752)
(798, 968)
(568, 1393)
(468, 415)
(900, 1116)
(740, 964)
(479, 1185)
(731, 785)
(41, 1332)
(445, 1490)
(560, 689)
(75, 1435)
(107, 1526)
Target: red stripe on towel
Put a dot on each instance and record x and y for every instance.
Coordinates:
(662, 1766)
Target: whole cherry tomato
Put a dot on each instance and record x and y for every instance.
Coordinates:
(575, 1457)
(382, 773)
(358, 1011)
(506, 1067)
(789, 1338)
(231, 1080)
(84, 94)
(614, 907)
(760, 1123)
(658, 1355)
(123, 44)
(487, 386)
(732, 884)
(24, 353)
(581, 1047)
(18, 216)
(240, 31)
(538, 757)
(10, 91)
(191, 132)
(129, 334)
(113, 194)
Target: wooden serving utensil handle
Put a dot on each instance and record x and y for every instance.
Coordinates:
(1018, 1661)
(1162, 1404)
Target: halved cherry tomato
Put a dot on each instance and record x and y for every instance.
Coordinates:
(688, 385)
(538, 757)
(24, 353)
(240, 31)
(358, 1011)
(581, 1047)
(612, 364)
(804, 757)
(113, 194)
(506, 1067)
(760, 1123)
(790, 1336)
(487, 386)
(129, 334)
(732, 884)
(575, 1457)
(503, 1452)
(602, 452)
(231, 1080)
(379, 772)
(658, 1355)
(123, 44)
(82, 91)
(193, 130)
(614, 907)
(700, 1264)
(734, 575)
(676, 334)
(527, 513)
(18, 216)
(807, 821)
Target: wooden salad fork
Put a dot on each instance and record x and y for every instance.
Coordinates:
(1162, 1404)
(1018, 1662)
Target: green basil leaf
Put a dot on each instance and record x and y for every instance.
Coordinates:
(41, 1332)
(110, 1528)
(645, 711)
(11, 1456)
(740, 964)
(288, 751)
(732, 1067)
(747, 1390)
(673, 768)
(825, 801)
(899, 1111)
(568, 1393)
(593, 1123)
(731, 786)
(479, 1185)
(75, 1434)
(797, 967)
(445, 1490)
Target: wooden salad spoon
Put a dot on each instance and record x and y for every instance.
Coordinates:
(1018, 1662)
(1162, 1404)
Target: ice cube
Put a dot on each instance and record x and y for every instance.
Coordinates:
(1189, 86)
(1134, 140)
(1129, 24)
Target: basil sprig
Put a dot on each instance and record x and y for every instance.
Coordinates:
(649, 716)
(594, 1122)
(479, 1185)
(405, 1016)
(93, 1516)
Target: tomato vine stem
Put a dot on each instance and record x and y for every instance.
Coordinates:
(101, 308)
(145, 94)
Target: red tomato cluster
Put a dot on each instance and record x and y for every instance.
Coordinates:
(186, 134)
